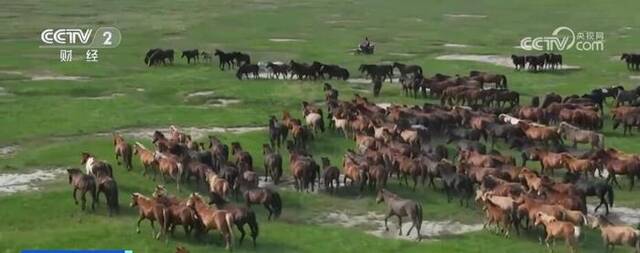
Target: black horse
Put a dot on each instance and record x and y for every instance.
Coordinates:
(241, 58)
(518, 61)
(632, 60)
(247, 69)
(536, 62)
(335, 71)
(377, 71)
(157, 55)
(405, 69)
(193, 54)
(224, 59)
(302, 70)
(598, 188)
(278, 69)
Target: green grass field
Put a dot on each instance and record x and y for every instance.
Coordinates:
(52, 121)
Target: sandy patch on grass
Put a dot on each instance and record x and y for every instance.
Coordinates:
(492, 59)
(7, 151)
(343, 21)
(220, 102)
(200, 93)
(459, 15)
(403, 54)
(195, 132)
(112, 96)
(373, 224)
(19, 182)
(456, 45)
(139, 89)
(286, 40)
(368, 81)
(45, 76)
(634, 77)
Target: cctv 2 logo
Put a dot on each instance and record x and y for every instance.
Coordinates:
(103, 37)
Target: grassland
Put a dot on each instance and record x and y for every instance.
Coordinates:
(52, 121)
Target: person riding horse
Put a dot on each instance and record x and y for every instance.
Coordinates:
(366, 47)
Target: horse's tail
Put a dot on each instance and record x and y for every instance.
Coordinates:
(418, 220)
(321, 124)
(180, 174)
(610, 195)
(127, 156)
(229, 219)
(504, 81)
(276, 204)
(253, 224)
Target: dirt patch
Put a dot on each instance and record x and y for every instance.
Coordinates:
(195, 132)
(344, 21)
(456, 45)
(634, 77)
(286, 40)
(492, 59)
(200, 93)
(18, 182)
(8, 151)
(465, 16)
(112, 96)
(220, 102)
(44, 77)
(373, 223)
(139, 89)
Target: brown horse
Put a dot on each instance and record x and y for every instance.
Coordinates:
(179, 212)
(169, 166)
(548, 160)
(94, 166)
(558, 229)
(272, 163)
(618, 164)
(330, 175)
(122, 149)
(241, 215)
(218, 185)
(147, 158)
(576, 135)
(401, 208)
(150, 210)
(499, 80)
(85, 183)
(540, 133)
(108, 186)
(576, 165)
(613, 235)
(213, 219)
(269, 198)
(244, 161)
(304, 170)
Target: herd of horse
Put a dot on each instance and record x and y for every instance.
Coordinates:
(536, 63)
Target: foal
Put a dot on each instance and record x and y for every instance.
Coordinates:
(85, 183)
(401, 208)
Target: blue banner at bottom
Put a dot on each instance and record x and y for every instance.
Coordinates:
(75, 251)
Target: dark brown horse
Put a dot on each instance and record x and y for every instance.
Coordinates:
(179, 212)
(267, 197)
(401, 208)
(272, 163)
(85, 183)
(94, 166)
(330, 175)
(241, 215)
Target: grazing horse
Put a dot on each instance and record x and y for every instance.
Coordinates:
(224, 59)
(122, 149)
(268, 198)
(598, 188)
(247, 69)
(241, 215)
(156, 56)
(93, 166)
(192, 54)
(211, 218)
(85, 183)
(613, 235)
(401, 208)
(272, 163)
(405, 69)
(330, 175)
(151, 210)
